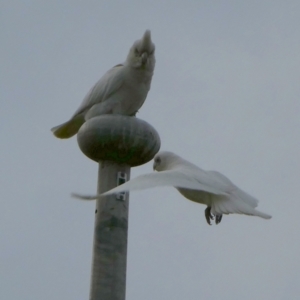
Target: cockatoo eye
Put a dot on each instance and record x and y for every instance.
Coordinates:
(158, 160)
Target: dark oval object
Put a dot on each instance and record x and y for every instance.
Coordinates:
(122, 139)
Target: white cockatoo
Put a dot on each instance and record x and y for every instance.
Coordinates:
(206, 187)
(122, 90)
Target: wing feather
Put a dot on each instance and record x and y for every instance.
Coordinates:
(108, 84)
(236, 202)
(173, 178)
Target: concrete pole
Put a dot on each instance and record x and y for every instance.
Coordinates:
(117, 143)
(110, 237)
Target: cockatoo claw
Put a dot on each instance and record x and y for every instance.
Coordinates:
(218, 219)
(208, 215)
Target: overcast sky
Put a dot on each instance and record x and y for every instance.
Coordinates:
(225, 95)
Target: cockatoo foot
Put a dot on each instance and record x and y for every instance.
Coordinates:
(208, 215)
(218, 219)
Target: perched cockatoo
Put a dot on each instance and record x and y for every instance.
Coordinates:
(122, 90)
(206, 187)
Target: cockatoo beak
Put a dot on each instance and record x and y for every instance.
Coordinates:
(144, 58)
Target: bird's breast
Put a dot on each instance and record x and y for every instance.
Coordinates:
(196, 195)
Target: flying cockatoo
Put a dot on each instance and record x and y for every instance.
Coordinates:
(206, 187)
(122, 90)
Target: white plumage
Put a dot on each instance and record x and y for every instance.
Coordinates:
(122, 90)
(206, 187)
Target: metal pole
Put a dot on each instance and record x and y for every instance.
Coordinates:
(108, 280)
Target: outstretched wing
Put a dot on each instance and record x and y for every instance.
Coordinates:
(173, 178)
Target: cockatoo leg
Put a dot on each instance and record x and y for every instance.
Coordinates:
(218, 219)
(208, 215)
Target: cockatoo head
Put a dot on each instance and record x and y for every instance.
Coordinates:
(165, 160)
(141, 54)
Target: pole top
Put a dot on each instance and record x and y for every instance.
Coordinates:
(118, 138)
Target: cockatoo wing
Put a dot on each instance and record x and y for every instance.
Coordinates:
(173, 178)
(230, 198)
(209, 178)
(232, 188)
(109, 84)
(237, 202)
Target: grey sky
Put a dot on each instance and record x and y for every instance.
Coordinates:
(225, 95)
